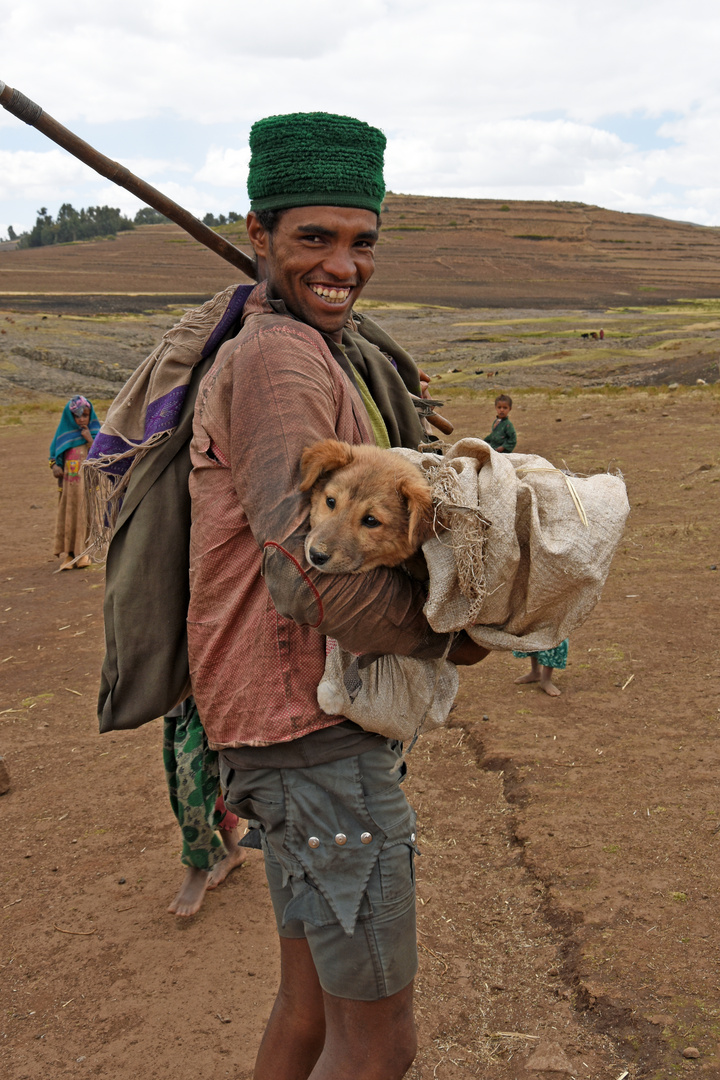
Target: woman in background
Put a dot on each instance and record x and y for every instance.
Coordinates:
(77, 428)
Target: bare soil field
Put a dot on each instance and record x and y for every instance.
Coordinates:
(569, 890)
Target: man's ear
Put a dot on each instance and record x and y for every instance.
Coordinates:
(420, 509)
(322, 458)
(258, 236)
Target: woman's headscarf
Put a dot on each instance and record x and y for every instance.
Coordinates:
(68, 433)
(79, 404)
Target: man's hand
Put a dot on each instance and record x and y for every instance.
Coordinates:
(424, 383)
(466, 652)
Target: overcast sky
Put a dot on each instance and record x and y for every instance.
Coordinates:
(615, 103)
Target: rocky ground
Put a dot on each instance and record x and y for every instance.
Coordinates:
(466, 350)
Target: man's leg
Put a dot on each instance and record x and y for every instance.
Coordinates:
(312, 1035)
(368, 1040)
(295, 1032)
(316, 1034)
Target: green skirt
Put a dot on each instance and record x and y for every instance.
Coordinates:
(554, 658)
(191, 770)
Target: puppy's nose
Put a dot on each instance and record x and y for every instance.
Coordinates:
(318, 558)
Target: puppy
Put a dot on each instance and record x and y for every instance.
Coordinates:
(369, 507)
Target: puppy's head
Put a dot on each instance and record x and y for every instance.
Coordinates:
(368, 507)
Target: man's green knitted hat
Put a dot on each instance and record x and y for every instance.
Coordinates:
(315, 159)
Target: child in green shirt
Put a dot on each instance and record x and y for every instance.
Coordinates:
(502, 437)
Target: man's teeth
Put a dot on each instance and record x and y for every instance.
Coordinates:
(335, 296)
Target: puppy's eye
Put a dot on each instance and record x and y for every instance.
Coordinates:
(329, 501)
(370, 522)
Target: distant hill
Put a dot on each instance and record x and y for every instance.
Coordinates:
(460, 252)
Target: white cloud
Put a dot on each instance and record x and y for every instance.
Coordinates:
(35, 175)
(225, 167)
(477, 98)
(190, 197)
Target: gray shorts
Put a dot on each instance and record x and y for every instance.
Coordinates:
(339, 844)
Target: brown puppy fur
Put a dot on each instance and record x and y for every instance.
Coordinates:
(369, 507)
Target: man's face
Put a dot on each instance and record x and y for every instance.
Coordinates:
(318, 260)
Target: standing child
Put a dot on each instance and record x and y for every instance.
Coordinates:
(77, 428)
(541, 667)
(503, 436)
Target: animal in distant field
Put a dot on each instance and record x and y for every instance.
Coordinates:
(369, 507)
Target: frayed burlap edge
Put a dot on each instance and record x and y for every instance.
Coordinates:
(182, 344)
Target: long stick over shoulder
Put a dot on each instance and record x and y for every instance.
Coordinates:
(25, 109)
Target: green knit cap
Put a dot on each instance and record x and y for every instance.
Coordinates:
(315, 159)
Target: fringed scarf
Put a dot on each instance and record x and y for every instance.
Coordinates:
(145, 412)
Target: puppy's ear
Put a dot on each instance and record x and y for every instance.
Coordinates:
(322, 458)
(420, 509)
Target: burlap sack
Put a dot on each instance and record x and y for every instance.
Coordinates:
(396, 696)
(521, 550)
(520, 555)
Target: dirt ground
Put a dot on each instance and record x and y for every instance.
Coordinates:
(569, 889)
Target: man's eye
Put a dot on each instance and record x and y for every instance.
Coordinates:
(370, 522)
(329, 501)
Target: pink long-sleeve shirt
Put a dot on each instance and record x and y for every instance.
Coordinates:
(258, 612)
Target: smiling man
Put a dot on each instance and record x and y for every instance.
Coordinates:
(338, 835)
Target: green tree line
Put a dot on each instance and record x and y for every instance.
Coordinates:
(221, 219)
(84, 224)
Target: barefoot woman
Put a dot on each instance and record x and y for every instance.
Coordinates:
(77, 428)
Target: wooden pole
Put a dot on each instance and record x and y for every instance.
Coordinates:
(25, 109)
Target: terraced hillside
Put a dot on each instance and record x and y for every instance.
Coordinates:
(461, 252)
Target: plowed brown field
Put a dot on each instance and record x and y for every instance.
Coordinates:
(463, 252)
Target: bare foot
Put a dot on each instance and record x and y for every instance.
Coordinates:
(532, 676)
(82, 563)
(235, 857)
(192, 891)
(546, 682)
